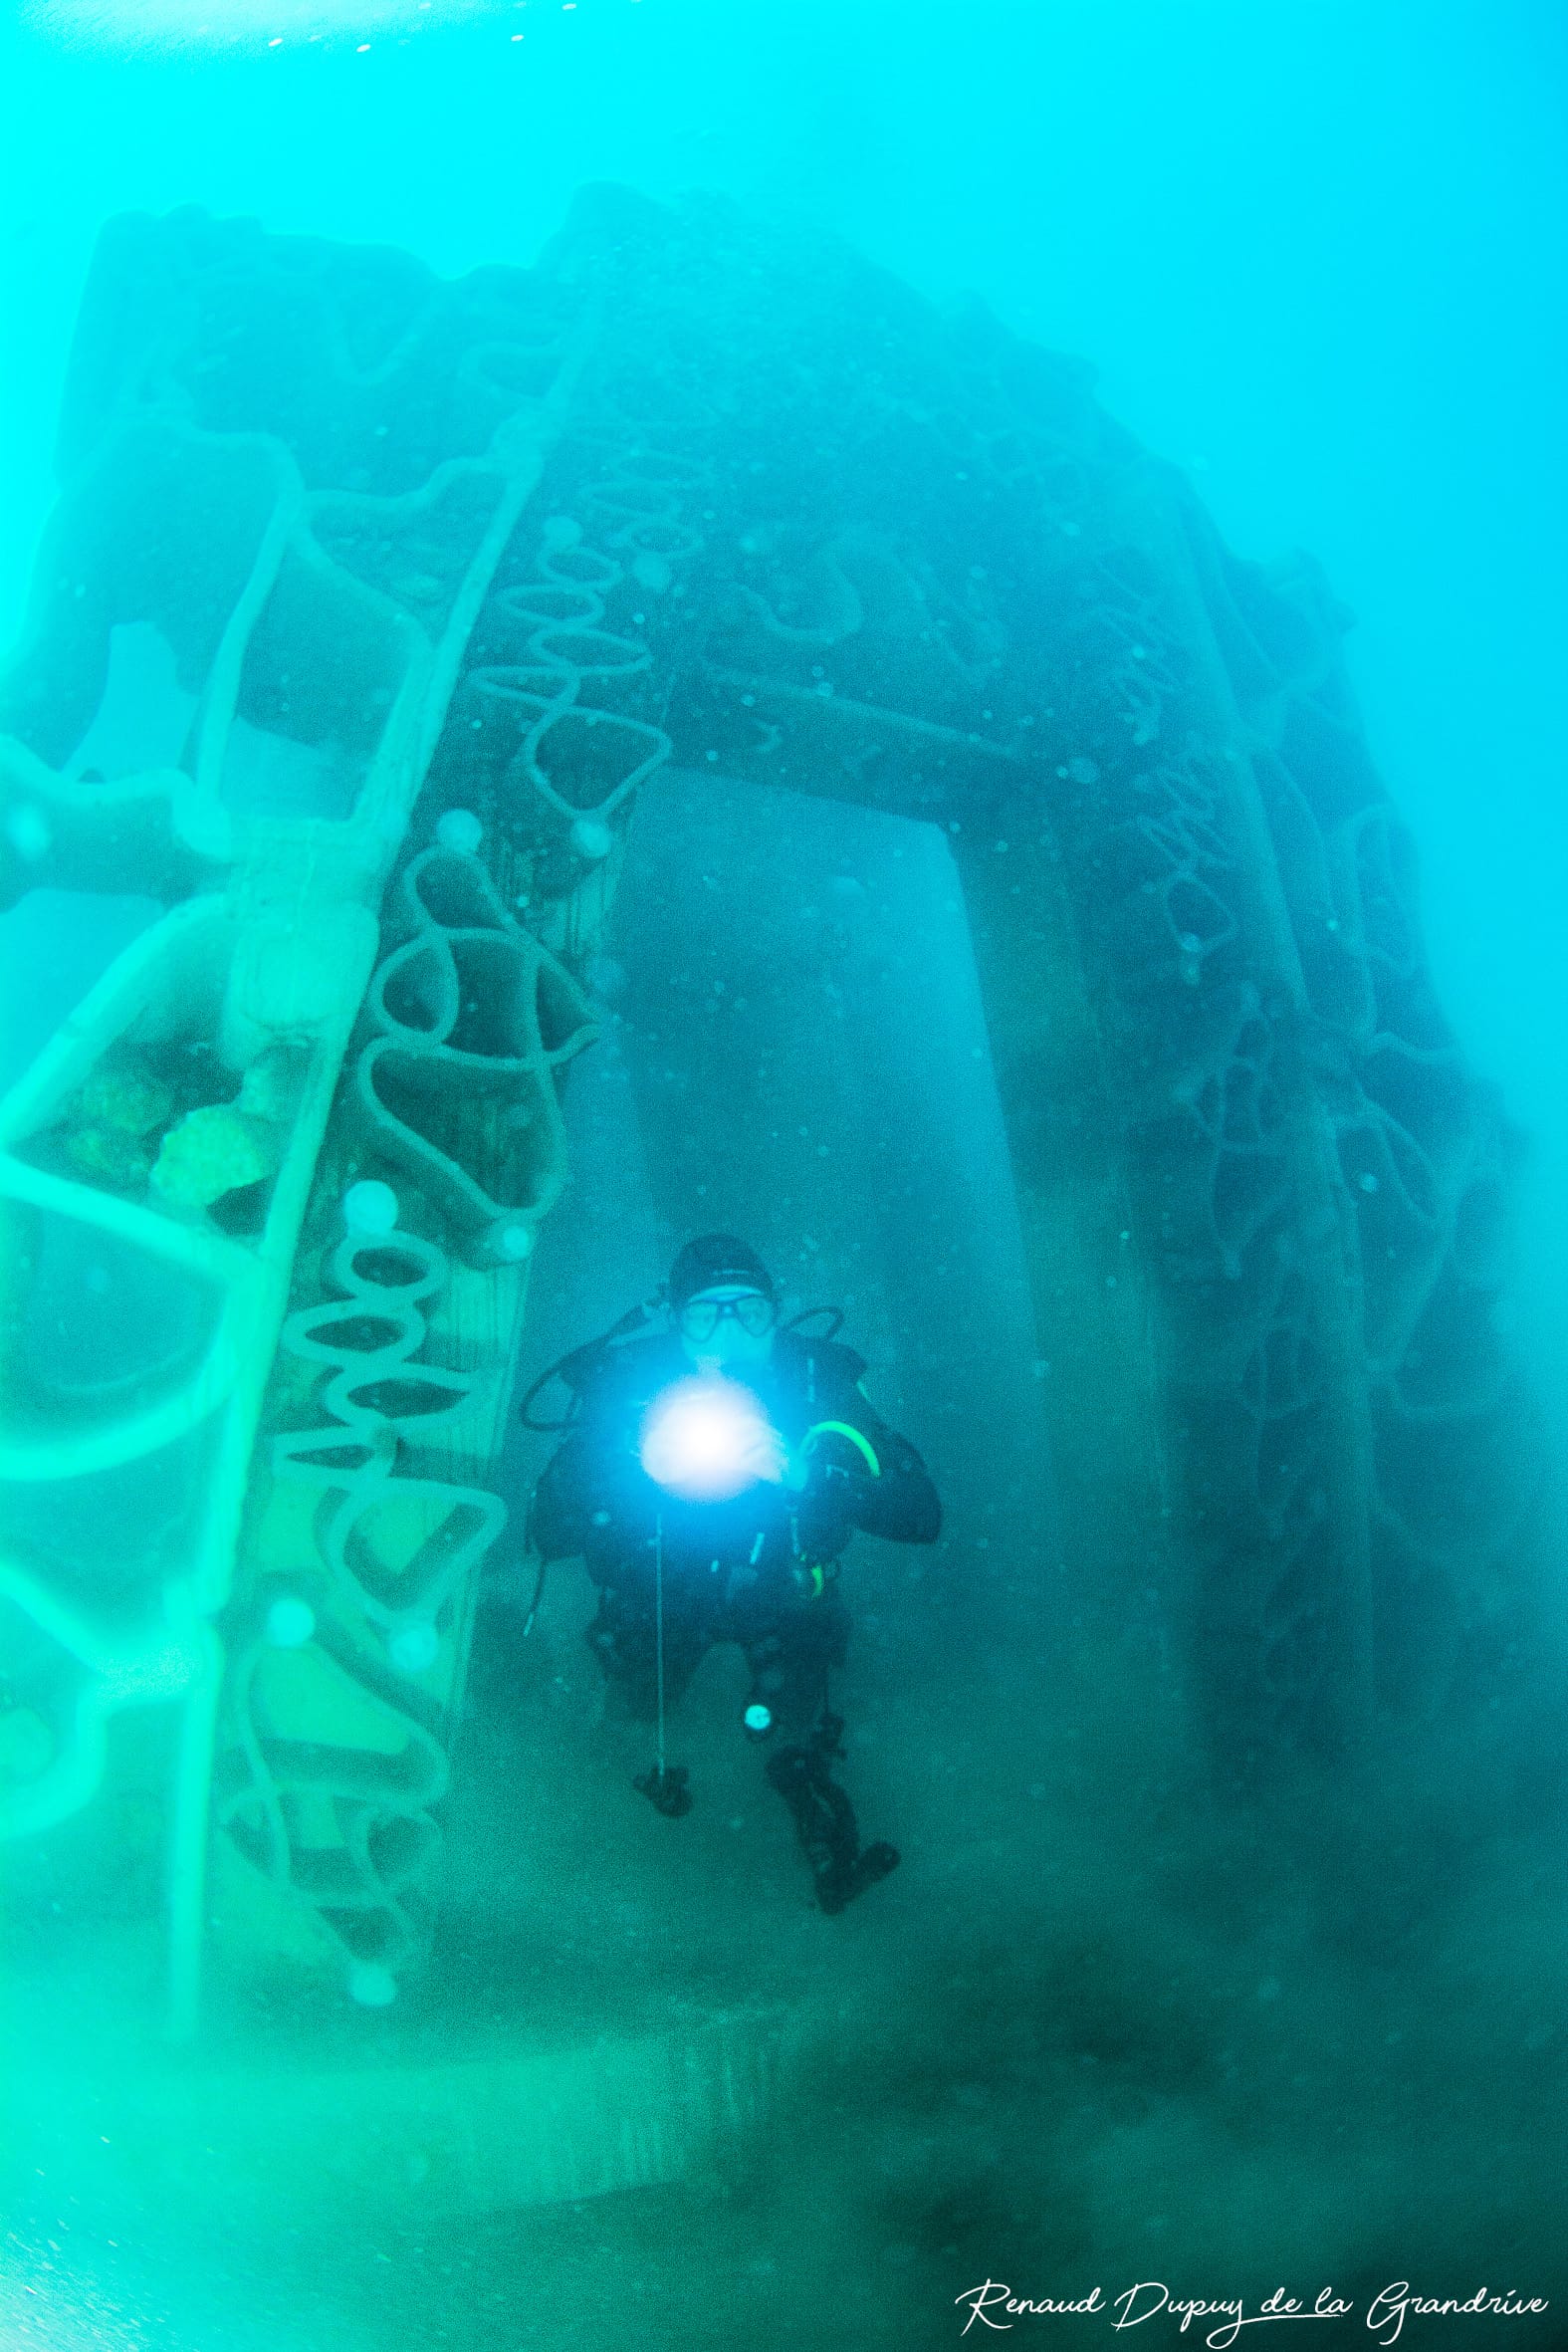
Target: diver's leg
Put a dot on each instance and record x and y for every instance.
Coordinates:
(825, 1822)
(623, 1637)
(791, 1650)
(789, 1662)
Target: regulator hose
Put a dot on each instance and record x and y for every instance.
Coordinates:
(571, 1366)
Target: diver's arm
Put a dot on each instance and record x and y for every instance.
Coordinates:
(564, 1500)
(899, 1502)
(591, 1499)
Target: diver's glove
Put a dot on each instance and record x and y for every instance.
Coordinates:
(828, 1512)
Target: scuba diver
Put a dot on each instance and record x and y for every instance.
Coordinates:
(712, 1475)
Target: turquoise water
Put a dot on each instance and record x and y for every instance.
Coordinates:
(1114, 2021)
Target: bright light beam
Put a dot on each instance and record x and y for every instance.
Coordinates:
(707, 1440)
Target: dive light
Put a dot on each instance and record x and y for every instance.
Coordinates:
(706, 1440)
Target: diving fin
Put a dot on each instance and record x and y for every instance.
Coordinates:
(839, 1885)
(825, 1822)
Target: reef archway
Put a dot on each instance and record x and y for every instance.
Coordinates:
(370, 605)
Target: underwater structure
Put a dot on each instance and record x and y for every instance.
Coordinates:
(370, 603)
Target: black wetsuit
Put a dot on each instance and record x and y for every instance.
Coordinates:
(749, 1570)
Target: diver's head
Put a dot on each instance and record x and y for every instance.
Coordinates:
(721, 1299)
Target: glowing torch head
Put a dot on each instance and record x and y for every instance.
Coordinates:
(708, 1439)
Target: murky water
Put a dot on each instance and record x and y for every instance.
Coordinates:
(550, 719)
